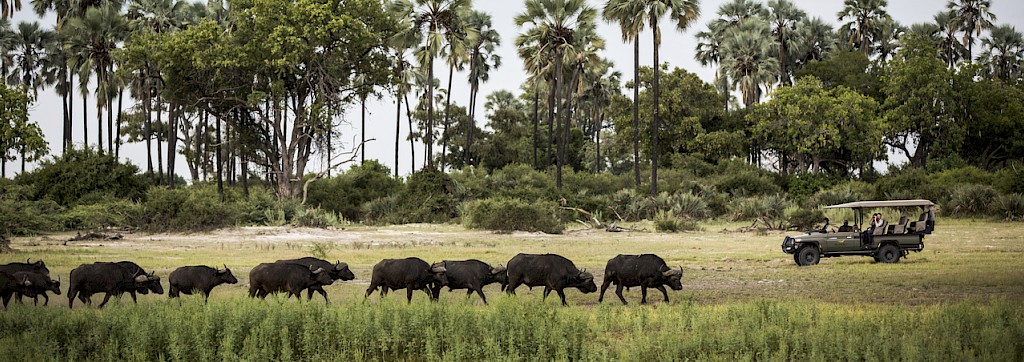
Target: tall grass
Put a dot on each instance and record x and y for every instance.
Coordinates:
(513, 329)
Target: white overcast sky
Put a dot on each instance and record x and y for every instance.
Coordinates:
(677, 50)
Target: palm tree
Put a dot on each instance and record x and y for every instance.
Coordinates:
(628, 15)
(482, 59)
(436, 21)
(56, 56)
(404, 77)
(747, 57)
(8, 7)
(538, 60)
(971, 17)
(6, 44)
(819, 40)
(28, 55)
(786, 21)
(889, 33)
(1002, 53)
(865, 21)
(950, 48)
(709, 52)
(456, 55)
(94, 37)
(683, 13)
(555, 23)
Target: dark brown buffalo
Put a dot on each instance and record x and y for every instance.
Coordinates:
(269, 278)
(410, 273)
(644, 271)
(471, 275)
(41, 284)
(113, 279)
(553, 272)
(337, 271)
(200, 278)
(9, 285)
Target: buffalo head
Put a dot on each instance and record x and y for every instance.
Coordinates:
(500, 275)
(674, 277)
(584, 281)
(341, 271)
(226, 276)
(321, 276)
(440, 273)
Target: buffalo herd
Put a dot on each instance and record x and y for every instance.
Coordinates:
(293, 276)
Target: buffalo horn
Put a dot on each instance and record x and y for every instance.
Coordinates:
(671, 272)
(340, 266)
(317, 271)
(438, 269)
(141, 278)
(498, 269)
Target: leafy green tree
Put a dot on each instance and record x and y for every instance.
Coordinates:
(847, 68)
(17, 134)
(995, 133)
(84, 176)
(511, 139)
(919, 101)
(808, 125)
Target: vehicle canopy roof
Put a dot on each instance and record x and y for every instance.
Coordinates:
(886, 203)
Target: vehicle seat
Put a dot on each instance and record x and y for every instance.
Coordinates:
(919, 225)
(881, 230)
(900, 228)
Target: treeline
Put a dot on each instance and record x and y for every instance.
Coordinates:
(83, 190)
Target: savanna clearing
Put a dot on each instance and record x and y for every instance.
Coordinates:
(742, 298)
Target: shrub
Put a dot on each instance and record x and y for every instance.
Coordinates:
(739, 179)
(380, 210)
(522, 182)
(316, 218)
(115, 213)
(769, 210)
(347, 192)
(689, 206)
(79, 174)
(263, 208)
(971, 200)
(21, 216)
(185, 209)
(839, 194)
(1010, 179)
(1010, 207)
(804, 218)
(506, 215)
(802, 186)
(669, 222)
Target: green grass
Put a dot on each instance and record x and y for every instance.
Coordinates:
(743, 299)
(512, 329)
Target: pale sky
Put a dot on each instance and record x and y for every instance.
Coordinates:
(677, 50)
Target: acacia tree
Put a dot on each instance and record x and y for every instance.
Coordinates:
(279, 74)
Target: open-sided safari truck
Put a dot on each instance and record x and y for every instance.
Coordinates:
(886, 244)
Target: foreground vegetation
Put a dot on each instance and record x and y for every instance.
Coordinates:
(511, 329)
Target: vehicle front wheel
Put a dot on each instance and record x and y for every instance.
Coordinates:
(888, 254)
(808, 255)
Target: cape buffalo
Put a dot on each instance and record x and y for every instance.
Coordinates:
(410, 273)
(9, 285)
(113, 279)
(553, 272)
(27, 266)
(40, 285)
(202, 279)
(269, 278)
(471, 275)
(337, 271)
(644, 271)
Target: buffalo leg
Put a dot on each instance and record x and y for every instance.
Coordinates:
(663, 292)
(469, 292)
(134, 300)
(323, 293)
(547, 290)
(370, 289)
(480, 291)
(643, 292)
(618, 292)
(172, 292)
(105, 300)
(561, 295)
(252, 291)
(46, 299)
(71, 298)
(408, 294)
(604, 286)
(6, 298)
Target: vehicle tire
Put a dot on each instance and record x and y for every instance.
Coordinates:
(808, 255)
(889, 254)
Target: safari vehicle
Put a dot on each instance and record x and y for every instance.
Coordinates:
(886, 244)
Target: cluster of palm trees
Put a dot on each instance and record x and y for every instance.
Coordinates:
(79, 53)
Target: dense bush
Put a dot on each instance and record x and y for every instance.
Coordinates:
(504, 214)
(739, 179)
(115, 213)
(669, 222)
(346, 193)
(19, 215)
(316, 218)
(1010, 207)
(185, 209)
(803, 218)
(768, 210)
(429, 196)
(84, 176)
(971, 200)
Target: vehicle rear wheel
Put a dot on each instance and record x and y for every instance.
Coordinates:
(889, 254)
(808, 255)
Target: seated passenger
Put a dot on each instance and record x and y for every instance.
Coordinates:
(846, 227)
(824, 228)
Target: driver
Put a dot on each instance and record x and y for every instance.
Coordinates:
(824, 228)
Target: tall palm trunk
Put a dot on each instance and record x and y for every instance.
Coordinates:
(412, 143)
(430, 110)
(110, 110)
(147, 128)
(551, 121)
(159, 147)
(219, 160)
(636, 111)
(472, 110)
(172, 141)
(85, 121)
(536, 122)
(559, 157)
(120, 99)
(655, 123)
(362, 145)
(447, 115)
(398, 128)
(71, 106)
